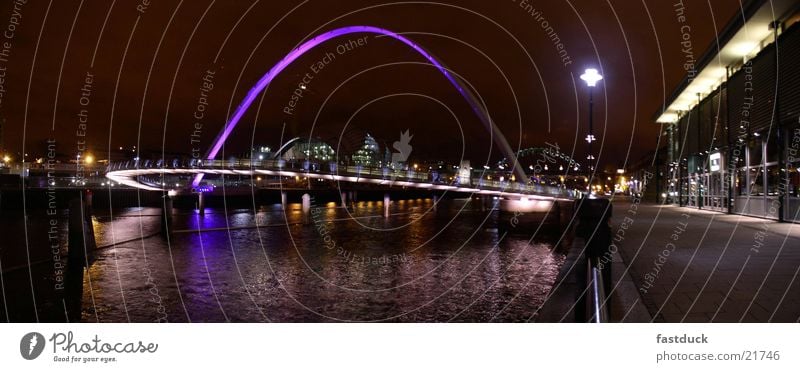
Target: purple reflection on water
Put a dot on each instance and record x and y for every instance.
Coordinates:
(466, 272)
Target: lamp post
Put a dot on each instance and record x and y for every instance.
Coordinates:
(591, 77)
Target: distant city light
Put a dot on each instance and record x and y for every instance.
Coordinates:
(203, 188)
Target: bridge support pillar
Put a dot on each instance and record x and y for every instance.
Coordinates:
(88, 201)
(564, 213)
(81, 232)
(201, 204)
(80, 249)
(283, 200)
(306, 207)
(386, 201)
(166, 214)
(354, 197)
(435, 202)
(344, 199)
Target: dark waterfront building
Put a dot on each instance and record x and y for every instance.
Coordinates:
(732, 126)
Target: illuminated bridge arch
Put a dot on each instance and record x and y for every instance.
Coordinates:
(265, 80)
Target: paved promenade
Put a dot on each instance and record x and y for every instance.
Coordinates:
(700, 266)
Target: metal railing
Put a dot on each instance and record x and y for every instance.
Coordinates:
(333, 168)
(593, 238)
(597, 304)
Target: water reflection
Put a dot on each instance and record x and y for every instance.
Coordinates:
(452, 264)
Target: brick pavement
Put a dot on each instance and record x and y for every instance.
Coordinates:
(719, 267)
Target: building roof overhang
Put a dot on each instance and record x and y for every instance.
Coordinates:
(742, 38)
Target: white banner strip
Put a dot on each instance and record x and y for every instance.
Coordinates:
(399, 347)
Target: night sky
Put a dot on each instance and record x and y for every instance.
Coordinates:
(148, 67)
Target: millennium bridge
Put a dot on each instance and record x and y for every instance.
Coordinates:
(515, 196)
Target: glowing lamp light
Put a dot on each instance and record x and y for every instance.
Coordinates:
(591, 77)
(717, 72)
(744, 48)
(89, 159)
(668, 118)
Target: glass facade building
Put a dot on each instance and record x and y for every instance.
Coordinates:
(735, 146)
(369, 153)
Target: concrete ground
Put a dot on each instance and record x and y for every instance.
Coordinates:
(694, 265)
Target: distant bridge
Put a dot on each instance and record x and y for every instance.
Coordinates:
(178, 178)
(514, 192)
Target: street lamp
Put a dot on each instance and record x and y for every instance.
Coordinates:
(591, 77)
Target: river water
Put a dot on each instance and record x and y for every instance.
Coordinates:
(456, 263)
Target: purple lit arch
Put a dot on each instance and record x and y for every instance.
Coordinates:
(265, 80)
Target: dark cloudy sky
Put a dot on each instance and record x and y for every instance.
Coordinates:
(148, 70)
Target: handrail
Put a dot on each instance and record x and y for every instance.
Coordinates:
(598, 296)
(594, 232)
